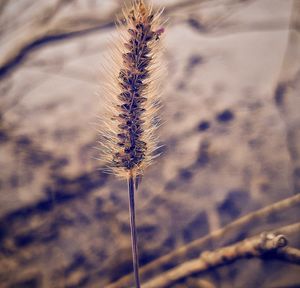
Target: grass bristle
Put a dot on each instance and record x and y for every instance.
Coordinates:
(128, 133)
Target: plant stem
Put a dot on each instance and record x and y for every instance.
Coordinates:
(135, 257)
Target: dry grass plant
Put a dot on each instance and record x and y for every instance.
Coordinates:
(128, 138)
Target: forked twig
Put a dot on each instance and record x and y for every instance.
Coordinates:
(257, 246)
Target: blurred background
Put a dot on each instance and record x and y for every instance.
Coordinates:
(231, 140)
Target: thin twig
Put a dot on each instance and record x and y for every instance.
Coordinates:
(289, 254)
(256, 246)
(46, 26)
(197, 244)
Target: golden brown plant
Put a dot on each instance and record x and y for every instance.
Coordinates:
(128, 136)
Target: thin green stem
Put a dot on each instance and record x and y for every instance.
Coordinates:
(135, 257)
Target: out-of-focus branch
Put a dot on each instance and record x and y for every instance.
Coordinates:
(46, 26)
(258, 246)
(36, 33)
(197, 244)
(289, 254)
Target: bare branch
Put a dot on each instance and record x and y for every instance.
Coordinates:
(289, 254)
(196, 245)
(46, 26)
(252, 247)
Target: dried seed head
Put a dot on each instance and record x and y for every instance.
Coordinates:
(129, 140)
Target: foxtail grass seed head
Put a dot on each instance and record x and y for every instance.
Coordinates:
(128, 136)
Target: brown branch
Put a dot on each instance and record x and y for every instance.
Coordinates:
(46, 25)
(78, 23)
(256, 246)
(197, 244)
(289, 254)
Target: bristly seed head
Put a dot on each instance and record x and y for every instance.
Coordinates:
(131, 142)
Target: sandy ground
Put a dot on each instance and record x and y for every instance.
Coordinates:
(231, 139)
